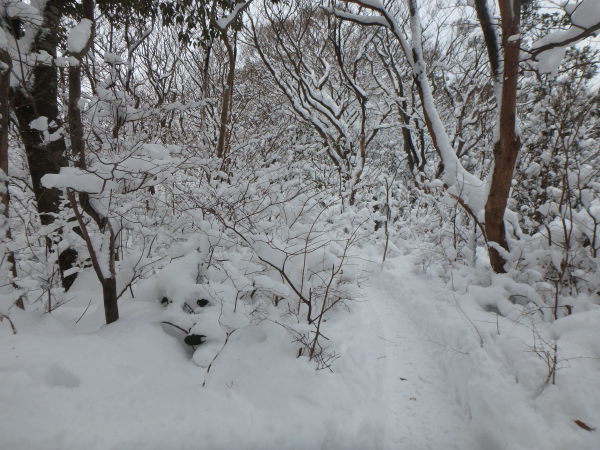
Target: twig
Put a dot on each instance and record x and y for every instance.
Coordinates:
(83, 314)
(176, 326)
(228, 334)
(12, 325)
(463, 311)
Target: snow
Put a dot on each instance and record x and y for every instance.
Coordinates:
(260, 255)
(39, 124)
(113, 59)
(224, 22)
(3, 40)
(72, 177)
(585, 14)
(24, 11)
(62, 61)
(373, 4)
(79, 36)
(383, 393)
(411, 374)
(461, 183)
(360, 18)
(549, 60)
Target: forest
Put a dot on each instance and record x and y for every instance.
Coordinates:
(300, 224)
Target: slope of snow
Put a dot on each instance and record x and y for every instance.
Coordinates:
(411, 375)
(489, 364)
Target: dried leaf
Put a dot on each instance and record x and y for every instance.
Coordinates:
(583, 425)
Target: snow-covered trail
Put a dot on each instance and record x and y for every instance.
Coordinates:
(411, 375)
(131, 386)
(390, 356)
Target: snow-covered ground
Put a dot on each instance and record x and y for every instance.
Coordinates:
(411, 375)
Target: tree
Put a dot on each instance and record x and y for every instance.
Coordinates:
(5, 70)
(476, 197)
(35, 98)
(320, 65)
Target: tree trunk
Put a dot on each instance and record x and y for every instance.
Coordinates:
(225, 121)
(78, 150)
(5, 63)
(506, 149)
(109, 284)
(41, 99)
(111, 306)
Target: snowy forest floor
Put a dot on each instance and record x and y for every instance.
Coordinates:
(411, 374)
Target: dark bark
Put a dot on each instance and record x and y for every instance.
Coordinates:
(490, 37)
(409, 145)
(410, 150)
(41, 99)
(78, 149)
(225, 120)
(76, 130)
(362, 102)
(111, 306)
(420, 78)
(6, 63)
(506, 149)
(109, 283)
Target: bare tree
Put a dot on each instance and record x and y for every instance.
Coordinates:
(224, 25)
(503, 56)
(320, 65)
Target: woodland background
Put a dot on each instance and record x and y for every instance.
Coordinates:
(234, 164)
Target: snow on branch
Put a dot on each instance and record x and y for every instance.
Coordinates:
(79, 37)
(74, 178)
(457, 179)
(585, 22)
(225, 21)
(357, 18)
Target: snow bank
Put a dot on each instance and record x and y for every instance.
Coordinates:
(411, 373)
(133, 385)
(501, 384)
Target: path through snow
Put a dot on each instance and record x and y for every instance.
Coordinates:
(390, 355)
(131, 386)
